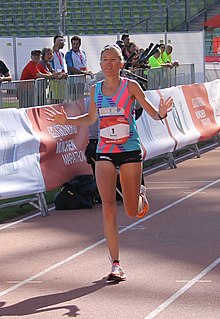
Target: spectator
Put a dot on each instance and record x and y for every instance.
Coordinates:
(133, 49)
(46, 58)
(56, 92)
(34, 69)
(120, 43)
(155, 61)
(162, 49)
(58, 58)
(76, 59)
(125, 52)
(4, 72)
(166, 56)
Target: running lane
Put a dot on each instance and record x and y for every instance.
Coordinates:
(55, 267)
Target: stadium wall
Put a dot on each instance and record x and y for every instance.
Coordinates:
(188, 48)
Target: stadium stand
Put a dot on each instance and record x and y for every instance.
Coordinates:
(41, 18)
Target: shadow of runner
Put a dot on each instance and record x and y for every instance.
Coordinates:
(37, 304)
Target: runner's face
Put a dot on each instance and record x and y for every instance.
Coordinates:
(111, 62)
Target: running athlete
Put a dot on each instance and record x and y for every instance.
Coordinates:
(112, 101)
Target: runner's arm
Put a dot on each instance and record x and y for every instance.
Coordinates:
(156, 113)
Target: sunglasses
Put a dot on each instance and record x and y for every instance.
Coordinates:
(110, 46)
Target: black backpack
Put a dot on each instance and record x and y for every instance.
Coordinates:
(80, 192)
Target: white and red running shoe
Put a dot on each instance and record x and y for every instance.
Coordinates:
(143, 204)
(117, 274)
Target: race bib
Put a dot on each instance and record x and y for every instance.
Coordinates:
(114, 130)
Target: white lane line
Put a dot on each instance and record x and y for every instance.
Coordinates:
(159, 211)
(167, 187)
(11, 225)
(180, 292)
(45, 271)
(201, 193)
(85, 250)
(178, 182)
(197, 281)
(17, 281)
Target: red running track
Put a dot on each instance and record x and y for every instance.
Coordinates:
(55, 267)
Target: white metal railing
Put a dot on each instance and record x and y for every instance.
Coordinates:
(163, 77)
(212, 71)
(29, 93)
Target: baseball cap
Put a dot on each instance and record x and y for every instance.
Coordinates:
(35, 52)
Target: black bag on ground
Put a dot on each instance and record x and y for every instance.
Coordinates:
(78, 193)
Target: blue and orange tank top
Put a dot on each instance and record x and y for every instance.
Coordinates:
(117, 126)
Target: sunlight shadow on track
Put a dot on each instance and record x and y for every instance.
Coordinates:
(48, 303)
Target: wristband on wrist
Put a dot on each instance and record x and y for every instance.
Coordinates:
(161, 118)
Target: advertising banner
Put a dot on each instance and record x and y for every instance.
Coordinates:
(213, 91)
(62, 146)
(38, 155)
(20, 171)
(174, 132)
(201, 111)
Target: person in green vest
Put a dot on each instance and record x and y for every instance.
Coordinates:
(155, 60)
(162, 49)
(166, 56)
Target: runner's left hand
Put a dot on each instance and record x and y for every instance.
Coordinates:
(165, 106)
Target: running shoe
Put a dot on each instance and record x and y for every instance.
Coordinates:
(143, 205)
(117, 274)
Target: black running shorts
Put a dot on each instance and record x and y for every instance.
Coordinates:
(120, 158)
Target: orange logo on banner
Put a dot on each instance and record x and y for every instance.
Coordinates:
(200, 109)
(62, 147)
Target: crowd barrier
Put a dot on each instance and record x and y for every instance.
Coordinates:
(40, 92)
(164, 77)
(212, 71)
(26, 93)
(37, 155)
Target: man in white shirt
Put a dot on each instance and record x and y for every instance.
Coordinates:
(58, 61)
(76, 59)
